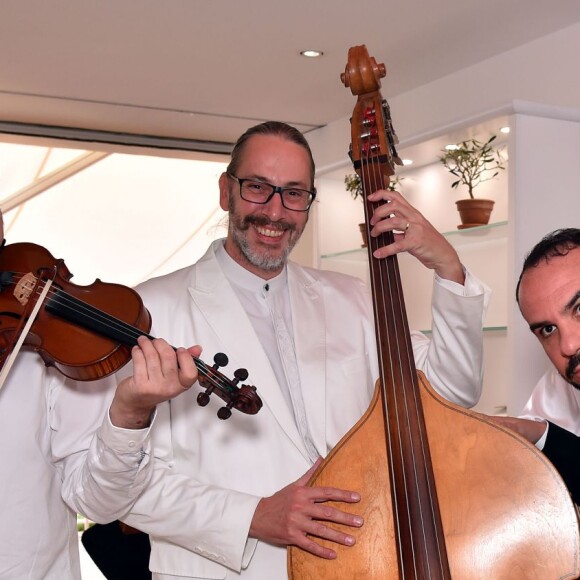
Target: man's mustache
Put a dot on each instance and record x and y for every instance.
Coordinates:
(572, 365)
(263, 221)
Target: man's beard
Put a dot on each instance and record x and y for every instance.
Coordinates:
(570, 368)
(263, 259)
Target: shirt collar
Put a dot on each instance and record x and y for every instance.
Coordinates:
(242, 278)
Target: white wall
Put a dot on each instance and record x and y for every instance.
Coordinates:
(544, 175)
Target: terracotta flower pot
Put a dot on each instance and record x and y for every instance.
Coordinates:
(474, 212)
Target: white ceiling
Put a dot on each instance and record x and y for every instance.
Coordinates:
(208, 70)
(184, 69)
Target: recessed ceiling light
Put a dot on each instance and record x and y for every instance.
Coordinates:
(311, 53)
(505, 130)
(407, 161)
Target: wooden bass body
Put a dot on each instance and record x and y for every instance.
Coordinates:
(506, 513)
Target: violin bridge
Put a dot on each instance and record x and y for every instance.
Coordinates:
(25, 287)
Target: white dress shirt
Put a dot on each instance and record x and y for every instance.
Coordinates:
(267, 304)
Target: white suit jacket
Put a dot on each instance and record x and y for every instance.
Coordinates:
(208, 474)
(49, 451)
(38, 537)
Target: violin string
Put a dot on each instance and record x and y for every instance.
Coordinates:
(131, 333)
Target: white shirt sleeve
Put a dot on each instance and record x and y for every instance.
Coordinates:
(103, 468)
(453, 359)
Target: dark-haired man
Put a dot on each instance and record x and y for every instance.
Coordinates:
(548, 293)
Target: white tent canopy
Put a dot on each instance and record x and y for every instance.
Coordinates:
(120, 217)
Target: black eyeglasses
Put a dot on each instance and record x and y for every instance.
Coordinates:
(259, 192)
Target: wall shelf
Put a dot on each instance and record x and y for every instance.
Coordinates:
(498, 329)
(458, 238)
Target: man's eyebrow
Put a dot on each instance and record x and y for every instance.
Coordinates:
(567, 307)
(536, 325)
(297, 184)
(572, 302)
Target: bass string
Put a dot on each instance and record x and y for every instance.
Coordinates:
(386, 282)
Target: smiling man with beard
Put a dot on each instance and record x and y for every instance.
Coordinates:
(548, 293)
(227, 497)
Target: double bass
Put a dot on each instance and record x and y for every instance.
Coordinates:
(446, 493)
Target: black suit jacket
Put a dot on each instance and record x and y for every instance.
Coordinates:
(562, 448)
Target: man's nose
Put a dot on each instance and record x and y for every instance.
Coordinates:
(274, 206)
(569, 340)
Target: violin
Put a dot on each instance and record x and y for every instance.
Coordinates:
(87, 332)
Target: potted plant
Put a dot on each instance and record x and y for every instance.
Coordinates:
(473, 162)
(353, 185)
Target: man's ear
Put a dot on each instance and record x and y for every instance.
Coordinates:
(224, 191)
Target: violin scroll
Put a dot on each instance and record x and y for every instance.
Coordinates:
(244, 398)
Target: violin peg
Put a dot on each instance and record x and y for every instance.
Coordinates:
(224, 413)
(202, 399)
(220, 360)
(240, 375)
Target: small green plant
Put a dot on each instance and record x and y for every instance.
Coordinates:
(472, 161)
(353, 184)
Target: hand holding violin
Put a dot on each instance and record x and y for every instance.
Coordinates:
(296, 513)
(413, 234)
(90, 332)
(160, 373)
